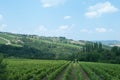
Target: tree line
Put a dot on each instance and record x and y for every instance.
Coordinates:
(96, 53)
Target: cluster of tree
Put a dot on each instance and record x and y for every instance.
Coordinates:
(96, 53)
(115, 54)
(24, 52)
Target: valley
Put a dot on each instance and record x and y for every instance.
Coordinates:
(32, 57)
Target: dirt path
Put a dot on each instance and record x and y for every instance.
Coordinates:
(73, 74)
(60, 76)
(85, 75)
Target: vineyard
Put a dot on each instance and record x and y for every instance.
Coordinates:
(27, 69)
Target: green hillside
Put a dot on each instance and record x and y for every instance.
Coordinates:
(21, 39)
(40, 47)
(33, 46)
(2, 41)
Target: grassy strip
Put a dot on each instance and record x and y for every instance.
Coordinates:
(68, 71)
(89, 71)
(101, 72)
(80, 76)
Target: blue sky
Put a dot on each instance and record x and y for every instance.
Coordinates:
(74, 19)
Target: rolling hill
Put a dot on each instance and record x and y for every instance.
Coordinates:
(33, 46)
(59, 48)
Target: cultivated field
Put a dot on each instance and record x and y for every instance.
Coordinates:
(27, 69)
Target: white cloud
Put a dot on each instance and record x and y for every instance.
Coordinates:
(62, 30)
(64, 27)
(42, 28)
(67, 17)
(51, 3)
(84, 30)
(1, 16)
(3, 26)
(98, 30)
(101, 29)
(100, 9)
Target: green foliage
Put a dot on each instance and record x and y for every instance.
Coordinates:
(58, 48)
(26, 69)
(95, 52)
(56, 72)
(3, 72)
(2, 41)
(101, 71)
(66, 74)
(25, 52)
(32, 46)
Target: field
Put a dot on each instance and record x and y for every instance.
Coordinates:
(27, 69)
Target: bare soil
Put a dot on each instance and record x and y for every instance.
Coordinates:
(60, 76)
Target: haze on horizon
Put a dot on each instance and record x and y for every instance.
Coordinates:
(78, 19)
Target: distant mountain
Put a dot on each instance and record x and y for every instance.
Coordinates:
(110, 42)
